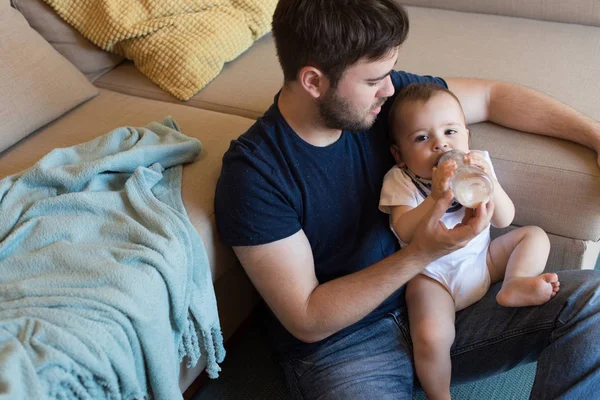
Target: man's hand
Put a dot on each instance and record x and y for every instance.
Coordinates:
(433, 240)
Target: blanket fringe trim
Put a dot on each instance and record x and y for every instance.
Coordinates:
(198, 341)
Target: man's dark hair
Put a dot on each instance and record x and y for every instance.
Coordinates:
(412, 93)
(334, 34)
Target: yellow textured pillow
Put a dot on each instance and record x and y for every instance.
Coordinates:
(179, 45)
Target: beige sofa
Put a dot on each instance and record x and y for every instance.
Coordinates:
(551, 45)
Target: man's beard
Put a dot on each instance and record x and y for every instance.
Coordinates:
(337, 113)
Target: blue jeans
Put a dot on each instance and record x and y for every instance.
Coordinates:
(376, 362)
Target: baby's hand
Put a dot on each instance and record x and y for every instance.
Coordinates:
(440, 182)
(477, 159)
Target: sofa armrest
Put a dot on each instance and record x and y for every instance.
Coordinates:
(554, 184)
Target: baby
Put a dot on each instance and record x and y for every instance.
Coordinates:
(426, 120)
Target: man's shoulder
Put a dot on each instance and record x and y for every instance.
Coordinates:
(254, 143)
(258, 156)
(252, 204)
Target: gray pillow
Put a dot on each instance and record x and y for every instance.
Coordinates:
(37, 84)
(86, 56)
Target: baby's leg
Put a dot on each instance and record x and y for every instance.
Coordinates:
(431, 318)
(522, 254)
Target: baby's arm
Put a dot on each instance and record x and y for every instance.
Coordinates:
(405, 219)
(504, 213)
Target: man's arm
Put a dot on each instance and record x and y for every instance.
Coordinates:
(518, 107)
(283, 272)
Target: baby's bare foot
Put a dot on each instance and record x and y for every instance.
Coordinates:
(528, 291)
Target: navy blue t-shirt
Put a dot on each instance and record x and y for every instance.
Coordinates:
(273, 184)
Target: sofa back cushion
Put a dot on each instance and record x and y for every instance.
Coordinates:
(86, 56)
(37, 85)
(585, 12)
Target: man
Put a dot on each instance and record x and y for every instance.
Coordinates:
(297, 199)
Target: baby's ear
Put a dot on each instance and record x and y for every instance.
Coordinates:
(397, 155)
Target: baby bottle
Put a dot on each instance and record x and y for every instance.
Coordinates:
(469, 184)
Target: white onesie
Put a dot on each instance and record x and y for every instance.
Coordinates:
(463, 272)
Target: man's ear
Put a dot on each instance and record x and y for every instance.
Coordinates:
(313, 81)
(397, 156)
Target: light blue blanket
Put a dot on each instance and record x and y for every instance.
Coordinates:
(104, 283)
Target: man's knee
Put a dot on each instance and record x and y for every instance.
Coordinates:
(580, 290)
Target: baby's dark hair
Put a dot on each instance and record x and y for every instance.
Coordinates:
(412, 93)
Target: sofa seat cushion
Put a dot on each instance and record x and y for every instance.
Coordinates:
(235, 293)
(110, 110)
(180, 45)
(244, 87)
(560, 59)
